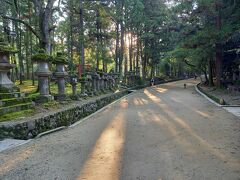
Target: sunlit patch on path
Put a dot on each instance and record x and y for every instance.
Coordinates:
(105, 158)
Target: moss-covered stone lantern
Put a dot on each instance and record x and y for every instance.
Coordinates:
(89, 83)
(95, 84)
(83, 81)
(43, 72)
(60, 60)
(73, 82)
(6, 85)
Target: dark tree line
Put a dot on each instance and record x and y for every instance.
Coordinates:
(154, 36)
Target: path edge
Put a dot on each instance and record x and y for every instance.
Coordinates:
(201, 92)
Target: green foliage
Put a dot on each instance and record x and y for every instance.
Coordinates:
(83, 78)
(195, 31)
(5, 48)
(237, 82)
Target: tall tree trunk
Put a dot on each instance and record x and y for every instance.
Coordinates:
(142, 56)
(81, 29)
(122, 38)
(138, 52)
(218, 45)
(206, 77)
(70, 37)
(210, 72)
(152, 70)
(144, 63)
(44, 13)
(31, 53)
(98, 39)
(27, 53)
(125, 59)
(117, 49)
(19, 47)
(130, 50)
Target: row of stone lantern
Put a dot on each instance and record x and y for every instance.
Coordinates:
(131, 78)
(92, 83)
(43, 72)
(100, 82)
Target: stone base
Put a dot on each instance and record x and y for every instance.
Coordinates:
(44, 99)
(60, 97)
(65, 117)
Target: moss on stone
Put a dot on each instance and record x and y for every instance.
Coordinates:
(63, 118)
(15, 108)
(16, 115)
(51, 104)
(42, 56)
(15, 101)
(60, 59)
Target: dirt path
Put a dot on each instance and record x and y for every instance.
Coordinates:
(165, 132)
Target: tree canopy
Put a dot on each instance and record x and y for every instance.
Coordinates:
(158, 37)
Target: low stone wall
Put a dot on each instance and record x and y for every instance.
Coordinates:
(30, 129)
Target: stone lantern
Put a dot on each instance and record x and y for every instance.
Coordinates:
(105, 81)
(6, 85)
(95, 84)
(83, 81)
(60, 74)
(131, 78)
(101, 81)
(89, 83)
(138, 78)
(99, 74)
(43, 74)
(73, 82)
(111, 81)
(116, 80)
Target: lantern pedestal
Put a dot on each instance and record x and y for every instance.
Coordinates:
(60, 74)
(6, 85)
(43, 74)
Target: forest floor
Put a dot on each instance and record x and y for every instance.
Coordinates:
(27, 87)
(229, 98)
(161, 132)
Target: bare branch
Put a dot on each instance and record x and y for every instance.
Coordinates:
(8, 2)
(23, 22)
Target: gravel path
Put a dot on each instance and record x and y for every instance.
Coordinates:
(165, 132)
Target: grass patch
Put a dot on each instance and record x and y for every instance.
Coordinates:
(28, 88)
(16, 115)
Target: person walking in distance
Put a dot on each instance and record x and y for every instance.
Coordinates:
(152, 81)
